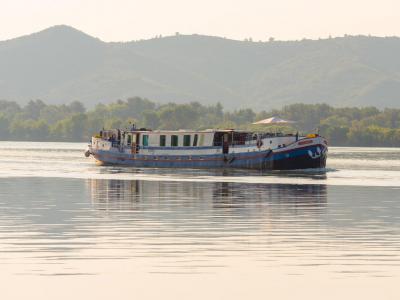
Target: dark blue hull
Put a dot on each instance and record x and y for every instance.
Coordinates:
(313, 156)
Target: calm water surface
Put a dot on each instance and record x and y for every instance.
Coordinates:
(70, 229)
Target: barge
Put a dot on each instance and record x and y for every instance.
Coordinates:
(211, 149)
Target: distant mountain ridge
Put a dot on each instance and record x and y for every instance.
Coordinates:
(62, 64)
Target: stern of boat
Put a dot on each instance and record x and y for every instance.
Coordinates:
(97, 144)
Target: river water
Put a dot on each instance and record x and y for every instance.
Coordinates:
(72, 230)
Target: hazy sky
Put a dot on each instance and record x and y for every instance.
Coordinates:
(119, 20)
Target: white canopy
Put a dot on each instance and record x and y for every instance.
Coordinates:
(274, 120)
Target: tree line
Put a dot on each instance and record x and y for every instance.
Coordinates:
(350, 126)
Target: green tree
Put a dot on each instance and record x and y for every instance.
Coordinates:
(4, 125)
(151, 119)
(77, 107)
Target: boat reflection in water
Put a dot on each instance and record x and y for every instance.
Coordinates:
(196, 198)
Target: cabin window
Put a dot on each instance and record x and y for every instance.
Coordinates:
(163, 140)
(196, 137)
(174, 140)
(201, 142)
(129, 140)
(145, 140)
(186, 140)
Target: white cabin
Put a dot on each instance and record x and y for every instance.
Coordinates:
(189, 142)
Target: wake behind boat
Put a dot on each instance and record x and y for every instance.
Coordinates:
(208, 149)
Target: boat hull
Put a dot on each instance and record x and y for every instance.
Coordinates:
(311, 156)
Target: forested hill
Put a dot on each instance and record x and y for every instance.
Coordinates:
(62, 64)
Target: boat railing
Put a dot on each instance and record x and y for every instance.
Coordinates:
(249, 139)
(252, 138)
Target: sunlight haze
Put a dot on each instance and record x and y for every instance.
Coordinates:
(123, 20)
